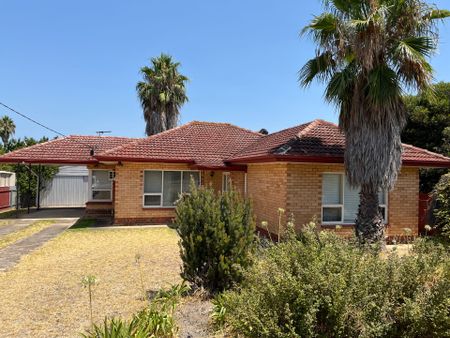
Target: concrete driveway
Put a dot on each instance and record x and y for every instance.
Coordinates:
(11, 254)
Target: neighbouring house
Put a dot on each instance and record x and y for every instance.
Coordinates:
(299, 169)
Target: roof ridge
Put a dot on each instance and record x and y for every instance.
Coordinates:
(227, 124)
(168, 131)
(283, 130)
(103, 136)
(309, 127)
(143, 139)
(426, 151)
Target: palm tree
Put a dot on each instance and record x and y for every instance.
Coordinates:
(162, 93)
(368, 52)
(7, 129)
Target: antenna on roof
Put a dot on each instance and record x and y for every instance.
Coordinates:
(102, 132)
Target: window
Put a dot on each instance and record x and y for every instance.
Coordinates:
(340, 201)
(163, 188)
(101, 185)
(226, 181)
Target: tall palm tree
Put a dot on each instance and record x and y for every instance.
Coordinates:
(368, 52)
(162, 93)
(7, 129)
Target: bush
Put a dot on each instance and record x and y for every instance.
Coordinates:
(319, 285)
(150, 322)
(442, 210)
(154, 321)
(216, 237)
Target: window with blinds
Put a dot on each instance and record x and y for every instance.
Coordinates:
(340, 201)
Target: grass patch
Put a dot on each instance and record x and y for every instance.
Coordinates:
(25, 232)
(12, 213)
(83, 223)
(42, 296)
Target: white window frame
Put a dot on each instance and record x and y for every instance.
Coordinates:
(342, 206)
(91, 191)
(162, 188)
(226, 181)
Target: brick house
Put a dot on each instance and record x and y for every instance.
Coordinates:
(299, 169)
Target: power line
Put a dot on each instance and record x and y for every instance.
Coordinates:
(48, 128)
(34, 121)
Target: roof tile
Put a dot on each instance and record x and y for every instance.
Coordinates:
(205, 144)
(320, 140)
(72, 149)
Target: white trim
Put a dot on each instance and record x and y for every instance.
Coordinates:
(91, 199)
(245, 184)
(162, 187)
(225, 180)
(342, 206)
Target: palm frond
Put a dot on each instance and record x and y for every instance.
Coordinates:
(383, 86)
(323, 28)
(319, 67)
(415, 47)
(341, 84)
(437, 14)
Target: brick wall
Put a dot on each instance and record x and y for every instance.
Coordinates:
(267, 187)
(404, 203)
(297, 188)
(213, 178)
(129, 183)
(129, 189)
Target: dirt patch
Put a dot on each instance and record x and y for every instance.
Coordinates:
(193, 318)
(42, 296)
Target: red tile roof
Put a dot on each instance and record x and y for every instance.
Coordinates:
(210, 145)
(320, 141)
(204, 144)
(72, 149)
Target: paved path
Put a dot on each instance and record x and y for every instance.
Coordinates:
(10, 255)
(14, 225)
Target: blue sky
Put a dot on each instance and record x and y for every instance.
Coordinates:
(73, 65)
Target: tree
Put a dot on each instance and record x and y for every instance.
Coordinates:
(368, 52)
(428, 127)
(26, 184)
(7, 129)
(162, 93)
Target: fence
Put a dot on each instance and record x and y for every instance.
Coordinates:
(8, 197)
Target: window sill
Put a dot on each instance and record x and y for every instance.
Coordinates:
(158, 208)
(99, 201)
(343, 225)
(334, 225)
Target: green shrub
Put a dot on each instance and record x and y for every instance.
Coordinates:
(150, 322)
(154, 321)
(319, 285)
(216, 237)
(442, 211)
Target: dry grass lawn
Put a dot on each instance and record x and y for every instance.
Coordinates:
(43, 297)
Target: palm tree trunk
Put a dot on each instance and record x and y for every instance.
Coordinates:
(369, 221)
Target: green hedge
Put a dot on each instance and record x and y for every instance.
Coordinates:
(319, 285)
(442, 211)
